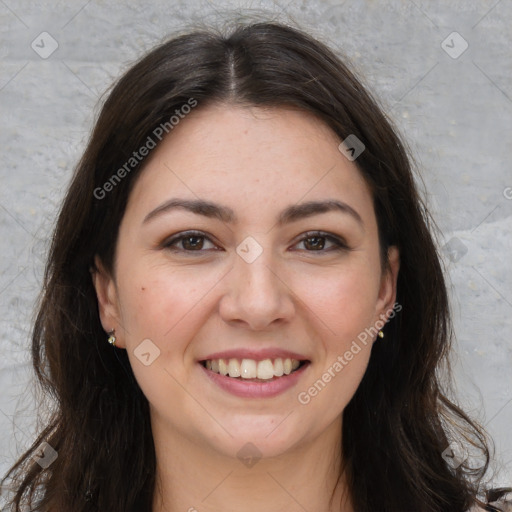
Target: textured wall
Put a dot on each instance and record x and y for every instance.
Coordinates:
(450, 94)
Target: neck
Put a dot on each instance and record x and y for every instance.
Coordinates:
(193, 478)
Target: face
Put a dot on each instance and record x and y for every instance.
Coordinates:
(248, 236)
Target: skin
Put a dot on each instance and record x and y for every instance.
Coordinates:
(296, 296)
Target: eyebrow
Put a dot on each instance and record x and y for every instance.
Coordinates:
(225, 214)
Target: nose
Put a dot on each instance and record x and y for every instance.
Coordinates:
(257, 294)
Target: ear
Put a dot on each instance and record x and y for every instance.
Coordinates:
(108, 305)
(387, 291)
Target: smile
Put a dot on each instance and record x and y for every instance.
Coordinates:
(252, 369)
(250, 378)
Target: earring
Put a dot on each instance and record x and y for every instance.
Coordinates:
(111, 337)
(380, 334)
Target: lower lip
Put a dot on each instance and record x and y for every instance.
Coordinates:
(251, 389)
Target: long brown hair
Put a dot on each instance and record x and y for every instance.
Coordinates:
(399, 422)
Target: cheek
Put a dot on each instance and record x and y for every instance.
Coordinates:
(163, 303)
(143, 303)
(343, 309)
(343, 306)
(343, 301)
(158, 306)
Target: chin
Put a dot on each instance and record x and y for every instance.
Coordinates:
(260, 438)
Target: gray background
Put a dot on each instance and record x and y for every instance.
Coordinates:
(455, 111)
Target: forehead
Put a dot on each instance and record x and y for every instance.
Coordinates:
(250, 157)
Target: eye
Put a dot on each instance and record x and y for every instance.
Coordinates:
(197, 241)
(318, 241)
(189, 241)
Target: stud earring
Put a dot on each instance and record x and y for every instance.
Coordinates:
(380, 334)
(111, 337)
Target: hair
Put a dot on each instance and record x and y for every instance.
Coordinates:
(399, 421)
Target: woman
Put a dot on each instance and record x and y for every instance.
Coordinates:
(243, 306)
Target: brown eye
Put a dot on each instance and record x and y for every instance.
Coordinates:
(314, 243)
(189, 242)
(192, 242)
(322, 242)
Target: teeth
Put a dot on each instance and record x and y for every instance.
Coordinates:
(251, 369)
(234, 368)
(278, 367)
(265, 369)
(223, 367)
(248, 369)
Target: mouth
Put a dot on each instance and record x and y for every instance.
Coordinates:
(252, 370)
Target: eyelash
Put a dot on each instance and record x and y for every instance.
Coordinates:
(339, 244)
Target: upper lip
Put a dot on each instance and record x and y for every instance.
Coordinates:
(256, 354)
